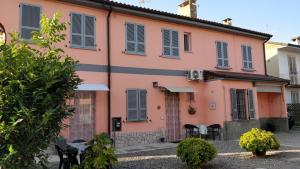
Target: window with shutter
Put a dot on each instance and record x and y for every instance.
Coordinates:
(222, 54)
(136, 105)
(187, 42)
(247, 57)
(251, 104)
(30, 20)
(234, 110)
(83, 30)
(295, 97)
(293, 70)
(238, 104)
(135, 38)
(170, 43)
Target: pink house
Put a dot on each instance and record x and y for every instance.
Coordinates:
(151, 72)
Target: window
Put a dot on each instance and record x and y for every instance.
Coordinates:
(294, 97)
(239, 100)
(187, 42)
(292, 70)
(135, 38)
(222, 55)
(83, 31)
(30, 20)
(247, 57)
(136, 105)
(170, 43)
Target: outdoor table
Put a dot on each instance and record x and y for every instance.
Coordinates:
(80, 147)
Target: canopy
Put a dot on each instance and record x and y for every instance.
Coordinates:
(93, 87)
(179, 89)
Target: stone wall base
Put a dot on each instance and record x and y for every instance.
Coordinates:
(137, 138)
(234, 129)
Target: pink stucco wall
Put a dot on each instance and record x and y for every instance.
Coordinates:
(271, 105)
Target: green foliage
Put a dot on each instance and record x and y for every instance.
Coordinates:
(35, 82)
(100, 153)
(196, 151)
(259, 141)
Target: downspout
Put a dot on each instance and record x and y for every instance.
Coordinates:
(109, 71)
(265, 58)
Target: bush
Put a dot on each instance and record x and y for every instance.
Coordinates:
(259, 141)
(196, 151)
(35, 82)
(100, 154)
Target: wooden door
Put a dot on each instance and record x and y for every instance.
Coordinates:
(172, 117)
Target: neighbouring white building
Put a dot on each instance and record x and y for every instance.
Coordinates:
(283, 60)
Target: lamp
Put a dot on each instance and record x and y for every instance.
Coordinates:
(155, 84)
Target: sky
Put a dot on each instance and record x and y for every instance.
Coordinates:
(281, 18)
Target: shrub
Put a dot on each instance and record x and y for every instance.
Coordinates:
(196, 151)
(35, 82)
(259, 141)
(100, 154)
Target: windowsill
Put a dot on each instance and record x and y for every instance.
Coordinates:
(243, 120)
(83, 48)
(134, 53)
(223, 68)
(170, 57)
(136, 121)
(248, 70)
(190, 52)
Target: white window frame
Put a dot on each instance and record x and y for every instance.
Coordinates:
(27, 27)
(172, 56)
(83, 35)
(247, 61)
(295, 97)
(222, 55)
(189, 35)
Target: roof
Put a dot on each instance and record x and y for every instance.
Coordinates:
(156, 14)
(209, 75)
(285, 46)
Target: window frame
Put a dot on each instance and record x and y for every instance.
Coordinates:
(250, 112)
(26, 27)
(189, 35)
(136, 43)
(171, 56)
(223, 54)
(138, 106)
(83, 35)
(293, 93)
(247, 47)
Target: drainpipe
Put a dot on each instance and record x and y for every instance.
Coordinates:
(109, 71)
(265, 58)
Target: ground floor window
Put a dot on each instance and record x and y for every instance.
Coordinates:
(295, 97)
(136, 104)
(242, 104)
(82, 124)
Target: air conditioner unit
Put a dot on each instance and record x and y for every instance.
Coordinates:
(195, 74)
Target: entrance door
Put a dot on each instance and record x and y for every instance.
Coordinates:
(172, 117)
(82, 124)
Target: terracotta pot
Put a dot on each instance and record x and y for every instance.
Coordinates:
(259, 153)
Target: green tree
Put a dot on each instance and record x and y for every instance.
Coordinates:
(36, 80)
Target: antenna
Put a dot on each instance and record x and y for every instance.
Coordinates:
(142, 2)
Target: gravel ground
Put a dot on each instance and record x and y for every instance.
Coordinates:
(230, 156)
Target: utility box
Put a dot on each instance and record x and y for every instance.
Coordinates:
(116, 124)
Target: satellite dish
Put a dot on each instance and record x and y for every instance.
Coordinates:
(2, 35)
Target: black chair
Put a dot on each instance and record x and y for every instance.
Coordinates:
(214, 130)
(63, 161)
(71, 153)
(79, 141)
(191, 130)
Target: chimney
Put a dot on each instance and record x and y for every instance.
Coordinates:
(227, 21)
(188, 8)
(296, 40)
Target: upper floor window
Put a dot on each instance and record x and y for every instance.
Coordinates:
(247, 57)
(187, 42)
(83, 31)
(135, 38)
(295, 97)
(136, 105)
(222, 55)
(170, 43)
(30, 20)
(293, 70)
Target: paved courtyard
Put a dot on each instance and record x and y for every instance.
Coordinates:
(230, 156)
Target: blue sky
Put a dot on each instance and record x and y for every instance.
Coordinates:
(281, 18)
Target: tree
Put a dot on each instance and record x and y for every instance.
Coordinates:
(36, 80)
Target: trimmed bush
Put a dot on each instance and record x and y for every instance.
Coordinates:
(196, 151)
(259, 141)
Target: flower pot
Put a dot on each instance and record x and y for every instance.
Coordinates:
(259, 153)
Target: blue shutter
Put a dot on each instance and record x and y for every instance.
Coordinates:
(175, 44)
(140, 39)
(225, 54)
(249, 54)
(234, 110)
(130, 37)
(219, 54)
(166, 35)
(251, 104)
(89, 31)
(132, 105)
(142, 105)
(245, 58)
(30, 20)
(76, 30)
